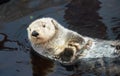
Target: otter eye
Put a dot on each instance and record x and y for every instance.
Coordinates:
(44, 26)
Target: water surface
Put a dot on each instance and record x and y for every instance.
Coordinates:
(93, 18)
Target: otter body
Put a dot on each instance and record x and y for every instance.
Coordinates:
(52, 40)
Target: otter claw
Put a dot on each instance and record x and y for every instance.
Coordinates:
(56, 57)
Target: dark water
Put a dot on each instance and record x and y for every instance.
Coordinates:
(94, 18)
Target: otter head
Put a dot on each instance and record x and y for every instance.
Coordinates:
(41, 30)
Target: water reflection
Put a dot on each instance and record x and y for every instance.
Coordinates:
(41, 66)
(83, 17)
(110, 16)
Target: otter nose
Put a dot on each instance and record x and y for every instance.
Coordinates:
(35, 34)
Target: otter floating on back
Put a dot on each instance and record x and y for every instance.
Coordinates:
(52, 40)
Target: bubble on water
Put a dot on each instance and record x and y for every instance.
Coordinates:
(31, 17)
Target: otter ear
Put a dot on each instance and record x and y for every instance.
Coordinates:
(55, 23)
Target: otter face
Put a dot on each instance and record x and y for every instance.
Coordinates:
(41, 30)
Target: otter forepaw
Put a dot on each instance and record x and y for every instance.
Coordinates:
(75, 44)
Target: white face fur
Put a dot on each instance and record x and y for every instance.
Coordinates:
(41, 30)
